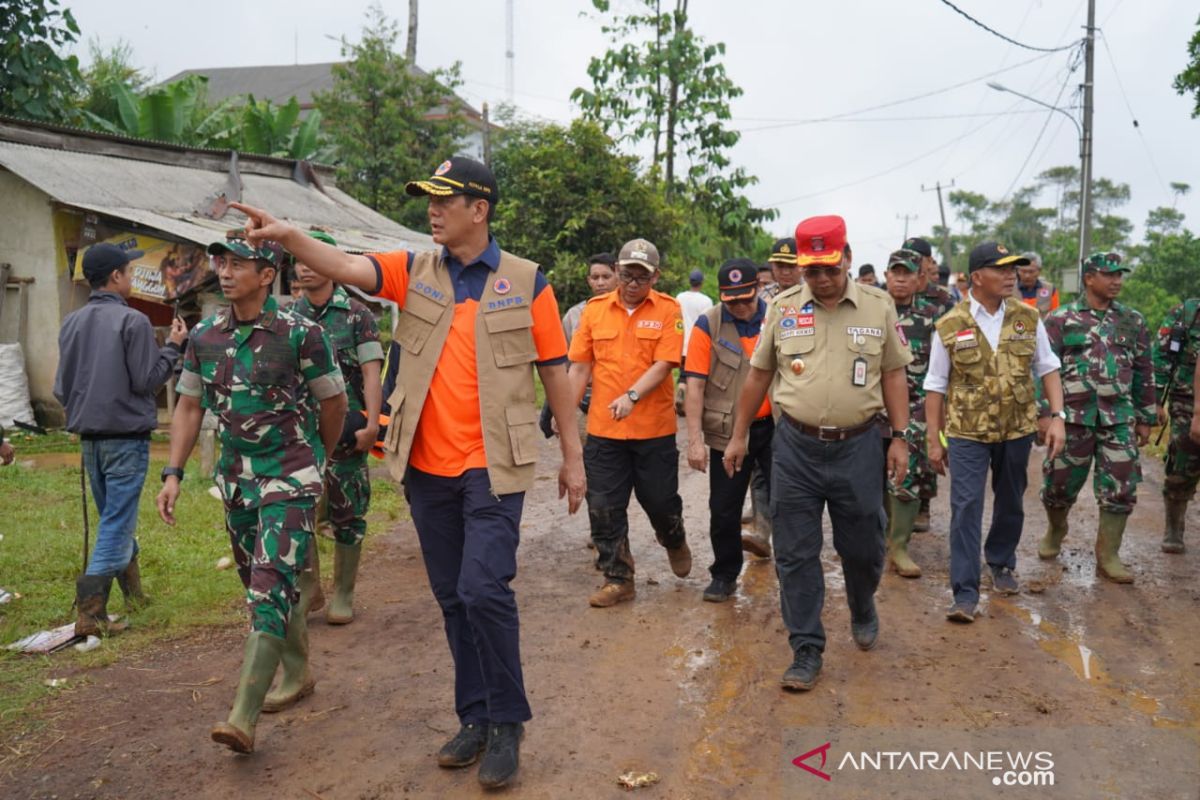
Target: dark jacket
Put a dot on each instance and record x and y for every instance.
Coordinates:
(110, 368)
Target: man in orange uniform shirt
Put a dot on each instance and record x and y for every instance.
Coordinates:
(473, 323)
(628, 341)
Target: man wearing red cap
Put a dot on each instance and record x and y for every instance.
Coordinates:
(718, 361)
(831, 347)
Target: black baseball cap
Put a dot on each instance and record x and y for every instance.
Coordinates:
(101, 259)
(918, 245)
(993, 254)
(738, 279)
(458, 175)
(783, 251)
(866, 269)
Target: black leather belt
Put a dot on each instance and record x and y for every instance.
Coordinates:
(825, 434)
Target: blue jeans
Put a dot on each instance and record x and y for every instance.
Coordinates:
(969, 463)
(117, 471)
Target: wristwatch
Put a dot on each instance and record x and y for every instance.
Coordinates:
(1059, 414)
(169, 471)
(899, 434)
(632, 395)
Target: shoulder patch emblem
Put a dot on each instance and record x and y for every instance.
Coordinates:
(1019, 326)
(501, 286)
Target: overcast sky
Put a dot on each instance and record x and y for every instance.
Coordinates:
(796, 61)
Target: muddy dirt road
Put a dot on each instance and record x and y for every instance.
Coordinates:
(667, 683)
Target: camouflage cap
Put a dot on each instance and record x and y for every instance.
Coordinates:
(909, 259)
(237, 243)
(1105, 262)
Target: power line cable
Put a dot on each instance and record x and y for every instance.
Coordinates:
(921, 118)
(887, 171)
(1037, 141)
(995, 32)
(1125, 97)
(901, 101)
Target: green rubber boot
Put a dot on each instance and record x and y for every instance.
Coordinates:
(295, 679)
(1176, 514)
(900, 530)
(258, 668)
(345, 571)
(1108, 543)
(1051, 544)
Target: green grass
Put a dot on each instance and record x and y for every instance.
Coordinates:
(41, 554)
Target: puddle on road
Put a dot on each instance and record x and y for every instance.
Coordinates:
(716, 673)
(1069, 648)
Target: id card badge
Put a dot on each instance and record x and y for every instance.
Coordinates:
(859, 378)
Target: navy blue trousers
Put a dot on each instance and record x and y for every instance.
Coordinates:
(469, 542)
(806, 476)
(969, 463)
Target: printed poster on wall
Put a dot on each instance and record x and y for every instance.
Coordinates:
(166, 271)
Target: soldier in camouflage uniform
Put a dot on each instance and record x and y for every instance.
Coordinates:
(352, 330)
(915, 321)
(938, 301)
(1108, 395)
(1175, 352)
(257, 368)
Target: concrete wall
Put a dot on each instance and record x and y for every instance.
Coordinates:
(28, 241)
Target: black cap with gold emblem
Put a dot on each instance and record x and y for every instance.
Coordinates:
(458, 175)
(783, 251)
(992, 254)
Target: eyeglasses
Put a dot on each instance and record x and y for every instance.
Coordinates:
(821, 272)
(637, 280)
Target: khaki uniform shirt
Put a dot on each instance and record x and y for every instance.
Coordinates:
(830, 346)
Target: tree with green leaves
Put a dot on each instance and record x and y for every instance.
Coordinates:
(661, 86)
(577, 196)
(1188, 81)
(36, 81)
(379, 118)
(105, 68)
(176, 112)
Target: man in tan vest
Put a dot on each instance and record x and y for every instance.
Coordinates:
(717, 363)
(986, 354)
(474, 321)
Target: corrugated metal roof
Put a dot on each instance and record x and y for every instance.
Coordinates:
(164, 196)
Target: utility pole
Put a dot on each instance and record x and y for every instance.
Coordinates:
(1085, 154)
(487, 137)
(509, 55)
(937, 187)
(906, 218)
(410, 50)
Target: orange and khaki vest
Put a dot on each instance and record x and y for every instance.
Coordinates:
(990, 396)
(727, 371)
(504, 353)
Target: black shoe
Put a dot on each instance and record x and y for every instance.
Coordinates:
(802, 675)
(1004, 582)
(502, 757)
(719, 590)
(962, 611)
(866, 633)
(464, 749)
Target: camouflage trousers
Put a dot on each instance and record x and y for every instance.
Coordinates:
(348, 496)
(1115, 478)
(270, 545)
(921, 481)
(1183, 458)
